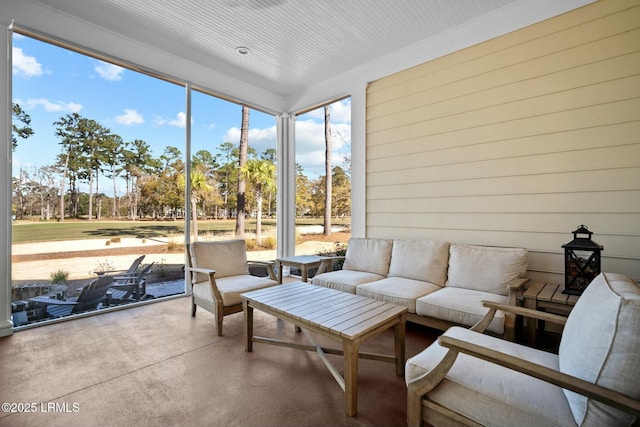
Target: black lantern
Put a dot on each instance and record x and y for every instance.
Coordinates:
(581, 261)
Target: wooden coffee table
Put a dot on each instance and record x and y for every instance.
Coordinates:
(347, 318)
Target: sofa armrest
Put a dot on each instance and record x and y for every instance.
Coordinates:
(552, 376)
(517, 285)
(326, 263)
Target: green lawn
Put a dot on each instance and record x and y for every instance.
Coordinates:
(73, 229)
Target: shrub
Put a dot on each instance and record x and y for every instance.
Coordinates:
(269, 242)
(115, 240)
(59, 277)
(172, 245)
(251, 244)
(103, 267)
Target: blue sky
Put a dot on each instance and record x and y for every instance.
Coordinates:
(50, 82)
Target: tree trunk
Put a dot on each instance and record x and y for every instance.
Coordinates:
(242, 184)
(114, 207)
(259, 220)
(328, 180)
(194, 215)
(91, 195)
(62, 183)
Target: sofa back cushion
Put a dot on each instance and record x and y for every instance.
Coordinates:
(228, 258)
(370, 255)
(600, 344)
(485, 268)
(423, 260)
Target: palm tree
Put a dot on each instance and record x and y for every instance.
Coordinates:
(242, 159)
(260, 174)
(199, 186)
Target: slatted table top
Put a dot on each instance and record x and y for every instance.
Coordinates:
(549, 292)
(338, 313)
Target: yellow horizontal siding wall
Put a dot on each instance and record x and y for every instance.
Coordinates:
(516, 142)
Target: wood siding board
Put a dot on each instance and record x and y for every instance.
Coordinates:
(516, 141)
(455, 67)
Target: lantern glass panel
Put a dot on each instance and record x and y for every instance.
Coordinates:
(581, 267)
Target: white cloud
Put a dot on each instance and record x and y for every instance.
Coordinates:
(259, 139)
(180, 121)
(310, 145)
(130, 117)
(340, 112)
(24, 65)
(108, 71)
(50, 107)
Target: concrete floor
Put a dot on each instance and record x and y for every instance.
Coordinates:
(155, 365)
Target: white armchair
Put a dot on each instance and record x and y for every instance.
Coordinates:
(220, 273)
(468, 378)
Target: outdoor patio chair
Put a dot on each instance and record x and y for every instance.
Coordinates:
(220, 273)
(89, 299)
(468, 378)
(131, 286)
(131, 270)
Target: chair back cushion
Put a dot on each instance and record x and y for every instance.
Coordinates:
(423, 260)
(485, 268)
(370, 255)
(227, 258)
(600, 344)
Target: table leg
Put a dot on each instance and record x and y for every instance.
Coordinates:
(399, 332)
(531, 323)
(248, 326)
(303, 272)
(351, 377)
(280, 273)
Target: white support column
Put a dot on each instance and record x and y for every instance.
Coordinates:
(359, 161)
(6, 326)
(187, 189)
(286, 186)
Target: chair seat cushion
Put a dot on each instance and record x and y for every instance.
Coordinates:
(490, 394)
(461, 306)
(397, 290)
(345, 280)
(231, 287)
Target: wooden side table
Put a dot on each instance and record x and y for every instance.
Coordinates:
(303, 262)
(547, 297)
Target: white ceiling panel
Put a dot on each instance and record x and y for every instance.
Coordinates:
(294, 44)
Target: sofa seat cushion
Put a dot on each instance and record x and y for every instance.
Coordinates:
(424, 260)
(461, 306)
(397, 290)
(600, 344)
(490, 394)
(345, 280)
(370, 255)
(485, 268)
(231, 287)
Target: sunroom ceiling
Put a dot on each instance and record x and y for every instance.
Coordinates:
(293, 44)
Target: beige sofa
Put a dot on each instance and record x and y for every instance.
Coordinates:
(442, 284)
